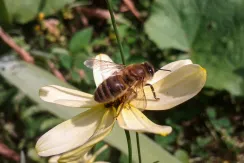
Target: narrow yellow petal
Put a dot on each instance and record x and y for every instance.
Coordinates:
(133, 119)
(67, 97)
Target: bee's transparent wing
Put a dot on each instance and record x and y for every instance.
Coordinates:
(141, 101)
(105, 67)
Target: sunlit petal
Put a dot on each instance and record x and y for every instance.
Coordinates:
(176, 88)
(97, 74)
(103, 130)
(54, 159)
(67, 97)
(160, 74)
(84, 128)
(133, 119)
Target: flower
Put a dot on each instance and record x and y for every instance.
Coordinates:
(75, 157)
(41, 16)
(83, 131)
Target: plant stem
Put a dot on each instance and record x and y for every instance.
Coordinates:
(127, 133)
(138, 147)
(116, 31)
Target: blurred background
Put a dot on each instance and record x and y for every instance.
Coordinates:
(46, 42)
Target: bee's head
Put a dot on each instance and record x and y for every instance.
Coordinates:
(149, 68)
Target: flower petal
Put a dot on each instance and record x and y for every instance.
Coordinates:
(98, 75)
(176, 88)
(160, 74)
(103, 130)
(133, 119)
(65, 96)
(75, 155)
(54, 159)
(80, 130)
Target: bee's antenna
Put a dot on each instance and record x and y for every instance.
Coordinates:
(164, 69)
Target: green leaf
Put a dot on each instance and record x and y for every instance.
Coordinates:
(223, 124)
(166, 140)
(80, 40)
(22, 11)
(63, 55)
(49, 123)
(50, 7)
(35, 78)
(105, 154)
(78, 62)
(59, 51)
(66, 61)
(165, 28)
(213, 31)
(211, 113)
(182, 155)
(26, 10)
(31, 112)
(223, 58)
(203, 141)
(4, 16)
(75, 76)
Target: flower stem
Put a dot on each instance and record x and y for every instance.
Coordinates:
(116, 31)
(138, 147)
(127, 133)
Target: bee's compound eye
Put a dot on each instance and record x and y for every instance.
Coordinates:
(150, 68)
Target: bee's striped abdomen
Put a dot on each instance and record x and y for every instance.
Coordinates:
(110, 89)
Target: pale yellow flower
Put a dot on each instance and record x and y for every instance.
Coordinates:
(77, 157)
(83, 131)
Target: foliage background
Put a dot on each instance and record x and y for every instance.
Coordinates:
(61, 35)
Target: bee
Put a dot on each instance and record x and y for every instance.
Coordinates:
(124, 84)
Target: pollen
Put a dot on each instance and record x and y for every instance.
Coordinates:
(41, 16)
(204, 70)
(164, 134)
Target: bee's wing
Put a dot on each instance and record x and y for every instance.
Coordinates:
(104, 66)
(141, 100)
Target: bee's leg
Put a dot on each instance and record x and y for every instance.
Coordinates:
(132, 95)
(121, 107)
(153, 91)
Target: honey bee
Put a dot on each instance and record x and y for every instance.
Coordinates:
(125, 82)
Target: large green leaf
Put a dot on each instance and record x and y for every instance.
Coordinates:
(29, 78)
(165, 28)
(4, 16)
(51, 6)
(80, 40)
(211, 31)
(26, 10)
(22, 11)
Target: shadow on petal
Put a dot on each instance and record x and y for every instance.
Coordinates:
(105, 127)
(84, 128)
(173, 66)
